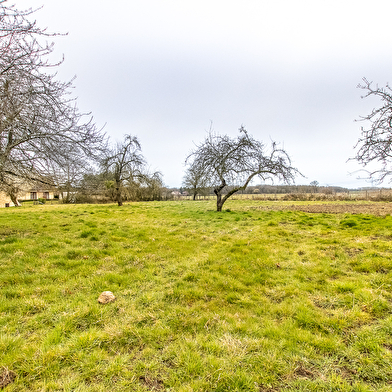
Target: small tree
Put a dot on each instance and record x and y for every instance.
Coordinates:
(195, 181)
(375, 143)
(151, 186)
(124, 162)
(235, 162)
(91, 187)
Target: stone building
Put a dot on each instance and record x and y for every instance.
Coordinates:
(27, 193)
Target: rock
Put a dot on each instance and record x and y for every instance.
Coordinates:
(106, 297)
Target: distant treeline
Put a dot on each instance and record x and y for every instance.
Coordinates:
(283, 189)
(286, 189)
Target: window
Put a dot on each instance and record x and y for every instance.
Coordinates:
(33, 195)
(46, 195)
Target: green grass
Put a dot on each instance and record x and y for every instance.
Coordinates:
(243, 300)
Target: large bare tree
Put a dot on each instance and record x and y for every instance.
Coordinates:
(375, 143)
(124, 162)
(40, 125)
(235, 162)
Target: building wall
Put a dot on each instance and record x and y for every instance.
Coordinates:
(38, 194)
(5, 200)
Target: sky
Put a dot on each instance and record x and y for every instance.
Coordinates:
(167, 71)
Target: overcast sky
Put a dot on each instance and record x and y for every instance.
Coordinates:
(164, 70)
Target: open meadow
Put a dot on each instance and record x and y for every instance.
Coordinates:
(265, 296)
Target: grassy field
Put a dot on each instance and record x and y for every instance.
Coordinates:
(243, 300)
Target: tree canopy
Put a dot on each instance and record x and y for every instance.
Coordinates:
(41, 127)
(375, 143)
(124, 162)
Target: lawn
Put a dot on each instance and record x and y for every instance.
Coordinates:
(250, 299)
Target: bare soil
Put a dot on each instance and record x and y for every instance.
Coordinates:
(379, 208)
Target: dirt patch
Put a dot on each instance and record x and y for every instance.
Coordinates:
(5, 231)
(388, 347)
(151, 383)
(303, 372)
(378, 209)
(352, 252)
(267, 389)
(6, 377)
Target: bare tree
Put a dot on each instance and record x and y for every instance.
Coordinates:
(195, 181)
(40, 124)
(90, 188)
(125, 163)
(68, 170)
(314, 186)
(375, 143)
(151, 186)
(235, 162)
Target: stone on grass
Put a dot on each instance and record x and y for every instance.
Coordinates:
(106, 297)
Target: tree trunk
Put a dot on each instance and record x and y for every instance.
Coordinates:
(119, 197)
(118, 191)
(219, 202)
(14, 199)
